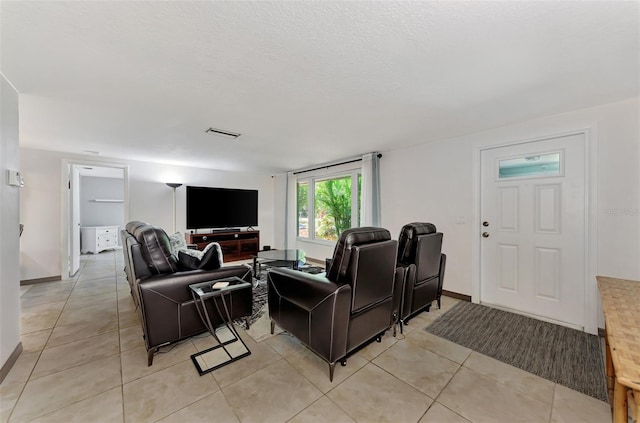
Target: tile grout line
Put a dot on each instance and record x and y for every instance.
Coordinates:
(460, 366)
(509, 387)
(115, 264)
(408, 384)
(40, 355)
(505, 383)
(553, 401)
(324, 394)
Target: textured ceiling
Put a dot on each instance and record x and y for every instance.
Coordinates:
(304, 82)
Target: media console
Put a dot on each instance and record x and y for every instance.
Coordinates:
(236, 245)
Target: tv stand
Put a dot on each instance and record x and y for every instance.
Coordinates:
(235, 244)
(225, 230)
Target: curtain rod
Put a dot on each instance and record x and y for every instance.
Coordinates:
(331, 165)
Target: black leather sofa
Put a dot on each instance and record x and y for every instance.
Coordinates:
(334, 315)
(161, 292)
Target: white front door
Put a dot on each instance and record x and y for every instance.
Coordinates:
(532, 248)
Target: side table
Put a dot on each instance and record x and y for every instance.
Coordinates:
(620, 299)
(276, 258)
(230, 347)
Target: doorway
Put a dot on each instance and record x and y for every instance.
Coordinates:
(96, 196)
(534, 215)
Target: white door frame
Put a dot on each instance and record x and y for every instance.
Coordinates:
(74, 225)
(592, 307)
(65, 214)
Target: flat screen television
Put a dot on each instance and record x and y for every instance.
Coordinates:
(221, 207)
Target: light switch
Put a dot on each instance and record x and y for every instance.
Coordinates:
(460, 220)
(14, 178)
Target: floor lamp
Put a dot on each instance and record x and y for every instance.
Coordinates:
(174, 186)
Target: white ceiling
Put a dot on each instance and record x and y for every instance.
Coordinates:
(304, 82)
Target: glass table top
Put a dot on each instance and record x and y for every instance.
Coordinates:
(287, 255)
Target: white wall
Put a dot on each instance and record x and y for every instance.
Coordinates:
(40, 213)
(150, 199)
(9, 213)
(93, 213)
(434, 182)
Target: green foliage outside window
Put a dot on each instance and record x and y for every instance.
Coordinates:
(303, 209)
(332, 207)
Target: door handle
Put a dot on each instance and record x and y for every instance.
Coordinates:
(485, 234)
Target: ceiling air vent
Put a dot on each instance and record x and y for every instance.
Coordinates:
(223, 133)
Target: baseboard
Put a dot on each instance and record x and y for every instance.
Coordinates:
(6, 367)
(601, 332)
(456, 295)
(40, 280)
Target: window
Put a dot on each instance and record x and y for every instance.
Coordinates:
(328, 205)
(332, 207)
(537, 166)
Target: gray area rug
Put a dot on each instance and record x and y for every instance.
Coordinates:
(260, 294)
(556, 353)
(259, 301)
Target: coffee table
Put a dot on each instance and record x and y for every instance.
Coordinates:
(230, 347)
(276, 258)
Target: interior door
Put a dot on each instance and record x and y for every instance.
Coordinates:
(533, 228)
(74, 227)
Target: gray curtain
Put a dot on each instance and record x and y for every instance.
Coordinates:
(370, 207)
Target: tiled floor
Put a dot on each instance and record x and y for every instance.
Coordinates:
(84, 360)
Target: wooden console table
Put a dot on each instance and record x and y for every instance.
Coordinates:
(235, 245)
(621, 305)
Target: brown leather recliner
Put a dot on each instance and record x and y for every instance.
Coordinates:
(335, 314)
(161, 292)
(419, 253)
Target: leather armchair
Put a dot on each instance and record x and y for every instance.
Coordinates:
(161, 292)
(419, 253)
(352, 304)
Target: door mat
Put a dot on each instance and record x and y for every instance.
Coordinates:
(566, 356)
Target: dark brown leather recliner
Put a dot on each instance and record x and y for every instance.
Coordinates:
(335, 314)
(419, 253)
(161, 292)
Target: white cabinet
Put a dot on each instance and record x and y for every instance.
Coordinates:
(98, 238)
